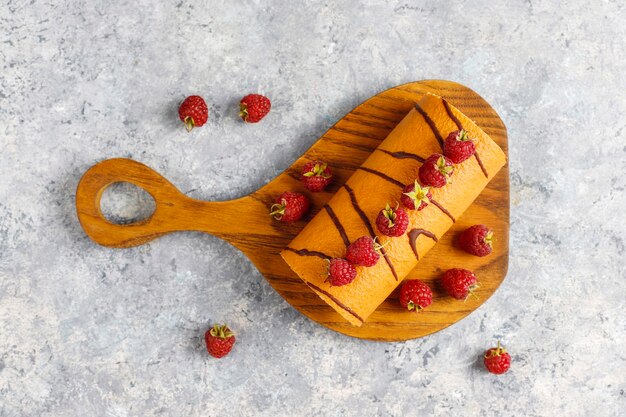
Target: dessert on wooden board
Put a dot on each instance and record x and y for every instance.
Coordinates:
(380, 180)
(344, 147)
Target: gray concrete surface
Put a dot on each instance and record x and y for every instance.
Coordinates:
(90, 331)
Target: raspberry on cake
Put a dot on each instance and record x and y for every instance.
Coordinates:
(458, 146)
(436, 171)
(392, 221)
(340, 272)
(355, 209)
(414, 195)
(363, 252)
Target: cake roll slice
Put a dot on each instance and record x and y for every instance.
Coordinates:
(352, 211)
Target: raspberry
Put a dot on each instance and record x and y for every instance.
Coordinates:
(497, 360)
(219, 340)
(415, 295)
(340, 272)
(254, 107)
(436, 171)
(459, 283)
(193, 112)
(392, 221)
(415, 195)
(316, 176)
(290, 207)
(458, 146)
(363, 252)
(477, 240)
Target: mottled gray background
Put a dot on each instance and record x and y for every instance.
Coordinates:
(91, 331)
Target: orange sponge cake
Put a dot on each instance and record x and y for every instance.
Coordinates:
(352, 212)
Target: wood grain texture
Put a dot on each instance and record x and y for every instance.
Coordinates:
(344, 146)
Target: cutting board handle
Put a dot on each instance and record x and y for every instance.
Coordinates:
(174, 211)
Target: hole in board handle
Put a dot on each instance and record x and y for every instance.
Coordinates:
(126, 203)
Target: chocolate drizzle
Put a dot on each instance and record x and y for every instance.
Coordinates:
(337, 224)
(403, 155)
(383, 176)
(459, 125)
(414, 234)
(306, 252)
(335, 300)
(443, 209)
(368, 225)
(451, 115)
(431, 124)
(482, 167)
(399, 184)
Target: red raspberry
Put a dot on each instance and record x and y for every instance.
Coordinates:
(497, 360)
(290, 207)
(458, 146)
(415, 195)
(340, 272)
(254, 107)
(363, 251)
(392, 221)
(415, 295)
(316, 176)
(193, 112)
(459, 283)
(219, 340)
(436, 171)
(477, 240)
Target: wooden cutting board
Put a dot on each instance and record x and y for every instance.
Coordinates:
(344, 146)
